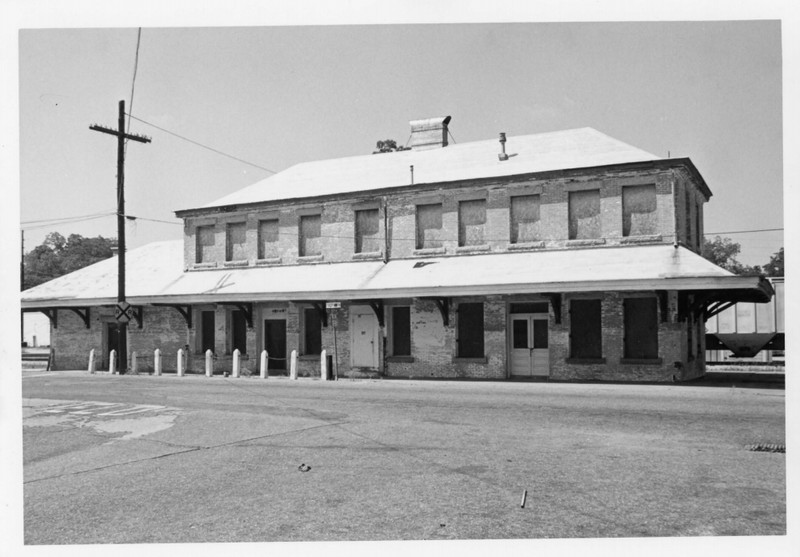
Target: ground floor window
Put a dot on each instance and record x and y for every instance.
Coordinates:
(312, 332)
(207, 327)
(238, 332)
(641, 328)
(470, 330)
(586, 333)
(400, 337)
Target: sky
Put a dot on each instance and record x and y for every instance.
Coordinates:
(278, 96)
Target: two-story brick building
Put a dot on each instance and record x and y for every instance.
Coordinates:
(566, 255)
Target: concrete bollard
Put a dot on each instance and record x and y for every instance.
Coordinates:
(180, 362)
(264, 360)
(209, 363)
(134, 363)
(92, 362)
(323, 365)
(112, 362)
(236, 362)
(157, 362)
(293, 365)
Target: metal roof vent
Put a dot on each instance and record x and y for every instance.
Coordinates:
(502, 155)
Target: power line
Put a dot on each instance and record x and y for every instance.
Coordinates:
(744, 231)
(133, 81)
(201, 145)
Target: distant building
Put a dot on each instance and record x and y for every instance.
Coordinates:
(566, 255)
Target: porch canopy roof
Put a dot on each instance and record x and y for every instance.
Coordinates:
(156, 275)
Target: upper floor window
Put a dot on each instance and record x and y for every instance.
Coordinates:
(310, 235)
(235, 242)
(268, 233)
(204, 251)
(429, 226)
(639, 217)
(584, 214)
(471, 222)
(368, 231)
(525, 218)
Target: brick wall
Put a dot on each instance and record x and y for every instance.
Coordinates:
(338, 216)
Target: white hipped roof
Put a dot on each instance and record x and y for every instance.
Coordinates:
(561, 150)
(155, 275)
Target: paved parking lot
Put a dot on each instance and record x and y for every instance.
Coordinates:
(193, 459)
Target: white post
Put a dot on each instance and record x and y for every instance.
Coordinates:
(264, 360)
(134, 363)
(112, 362)
(236, 363)
(209, 363)
(180, 362)
(157, 362)
(92, 363)
(323, 365)
(293, 365)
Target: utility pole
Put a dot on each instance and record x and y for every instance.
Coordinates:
(122, 311)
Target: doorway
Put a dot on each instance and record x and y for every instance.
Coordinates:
(275, 344)
(364, 338)
(112, 343)
(530, 352)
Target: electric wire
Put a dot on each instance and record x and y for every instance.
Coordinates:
(133, 84)
(202, 145)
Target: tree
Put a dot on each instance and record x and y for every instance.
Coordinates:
(388, 146)
(57, 256)
(775, 266)
(723, 251)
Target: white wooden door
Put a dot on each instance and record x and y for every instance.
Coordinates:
(364, 335)
(529, 345)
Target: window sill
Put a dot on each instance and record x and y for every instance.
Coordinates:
(368, 255)
(200, 266)
(647, 239)
(309, 258)
(642, 361)
(400, 359)
(483, 360)
(521, 246)
(237, 263)
(268, 261)
(473, 249)
(586, 361)
(586, 242)
(430, 251)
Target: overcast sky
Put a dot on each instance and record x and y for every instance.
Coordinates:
(277, 96)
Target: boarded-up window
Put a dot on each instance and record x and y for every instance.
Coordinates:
(429, 226)
(310, 232)
(238, 332)
(525, 219)
(586, 334)
(312, 332)
(235, 242)
(470, 330)
(401, 331)
(639, 217)
(471, 222)
(368, 231)
(204, 252)
(584, 214)
(641, 328)
(206, 331)
(268, 234)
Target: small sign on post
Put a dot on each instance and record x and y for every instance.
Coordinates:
(123, 312)
(333, 305)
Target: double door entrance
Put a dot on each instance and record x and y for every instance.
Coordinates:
(530, 353)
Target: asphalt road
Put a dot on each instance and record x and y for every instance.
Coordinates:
(133, 459)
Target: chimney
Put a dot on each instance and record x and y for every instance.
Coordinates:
(429, 134)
